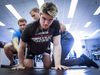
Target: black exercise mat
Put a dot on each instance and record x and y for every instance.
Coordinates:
(7, 66)
(9, 71)
(72, 67)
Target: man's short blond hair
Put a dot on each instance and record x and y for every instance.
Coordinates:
(35, 9)
(49, 8)
(22, 20)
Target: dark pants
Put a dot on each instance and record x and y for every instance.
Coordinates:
(66, 45)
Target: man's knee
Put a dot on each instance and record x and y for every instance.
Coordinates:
(28, 63)
(47, 65)
(47, 61)
(9, 47)
(6, 47)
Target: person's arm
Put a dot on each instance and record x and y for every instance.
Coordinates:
(57, 54)
(21, 56)
(63, 28)
(57, 50)
(15, 43)
(21, 52)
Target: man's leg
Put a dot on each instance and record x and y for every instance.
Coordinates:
(9, 50)
(29, 59)
(83, 60)
(66, 45)
(72, 62)
(69, 62)
(28, 63)
(46, 60)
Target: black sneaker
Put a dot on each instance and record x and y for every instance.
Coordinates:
(89, 62)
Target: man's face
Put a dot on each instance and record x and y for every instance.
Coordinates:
(22, 25)
(35, 15)
(45, 20)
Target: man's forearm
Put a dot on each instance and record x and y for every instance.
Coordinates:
(21, 57)
(16, 47)
(57, 55)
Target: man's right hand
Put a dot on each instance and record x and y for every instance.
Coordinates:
(18, 68)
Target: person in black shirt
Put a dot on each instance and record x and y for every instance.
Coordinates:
(67, 39)
(37, 36)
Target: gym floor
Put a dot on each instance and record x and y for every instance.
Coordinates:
(74, 70)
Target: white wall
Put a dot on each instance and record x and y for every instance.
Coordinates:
(99, 40)
(89, 46)
(90, 43)
(4, 40)
(3, 59)
(84, 51)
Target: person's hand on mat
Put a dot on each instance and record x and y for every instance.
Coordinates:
(61, 67)
(18, 68)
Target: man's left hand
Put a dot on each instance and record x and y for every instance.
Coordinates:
(61, 67)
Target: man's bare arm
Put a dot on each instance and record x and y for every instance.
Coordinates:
(21, 52)
(21, 56)
(15, 43)
(57, 54)
(57, 50)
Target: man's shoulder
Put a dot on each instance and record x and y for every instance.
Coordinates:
(32, 24)
(16, 31)
(55, 22)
